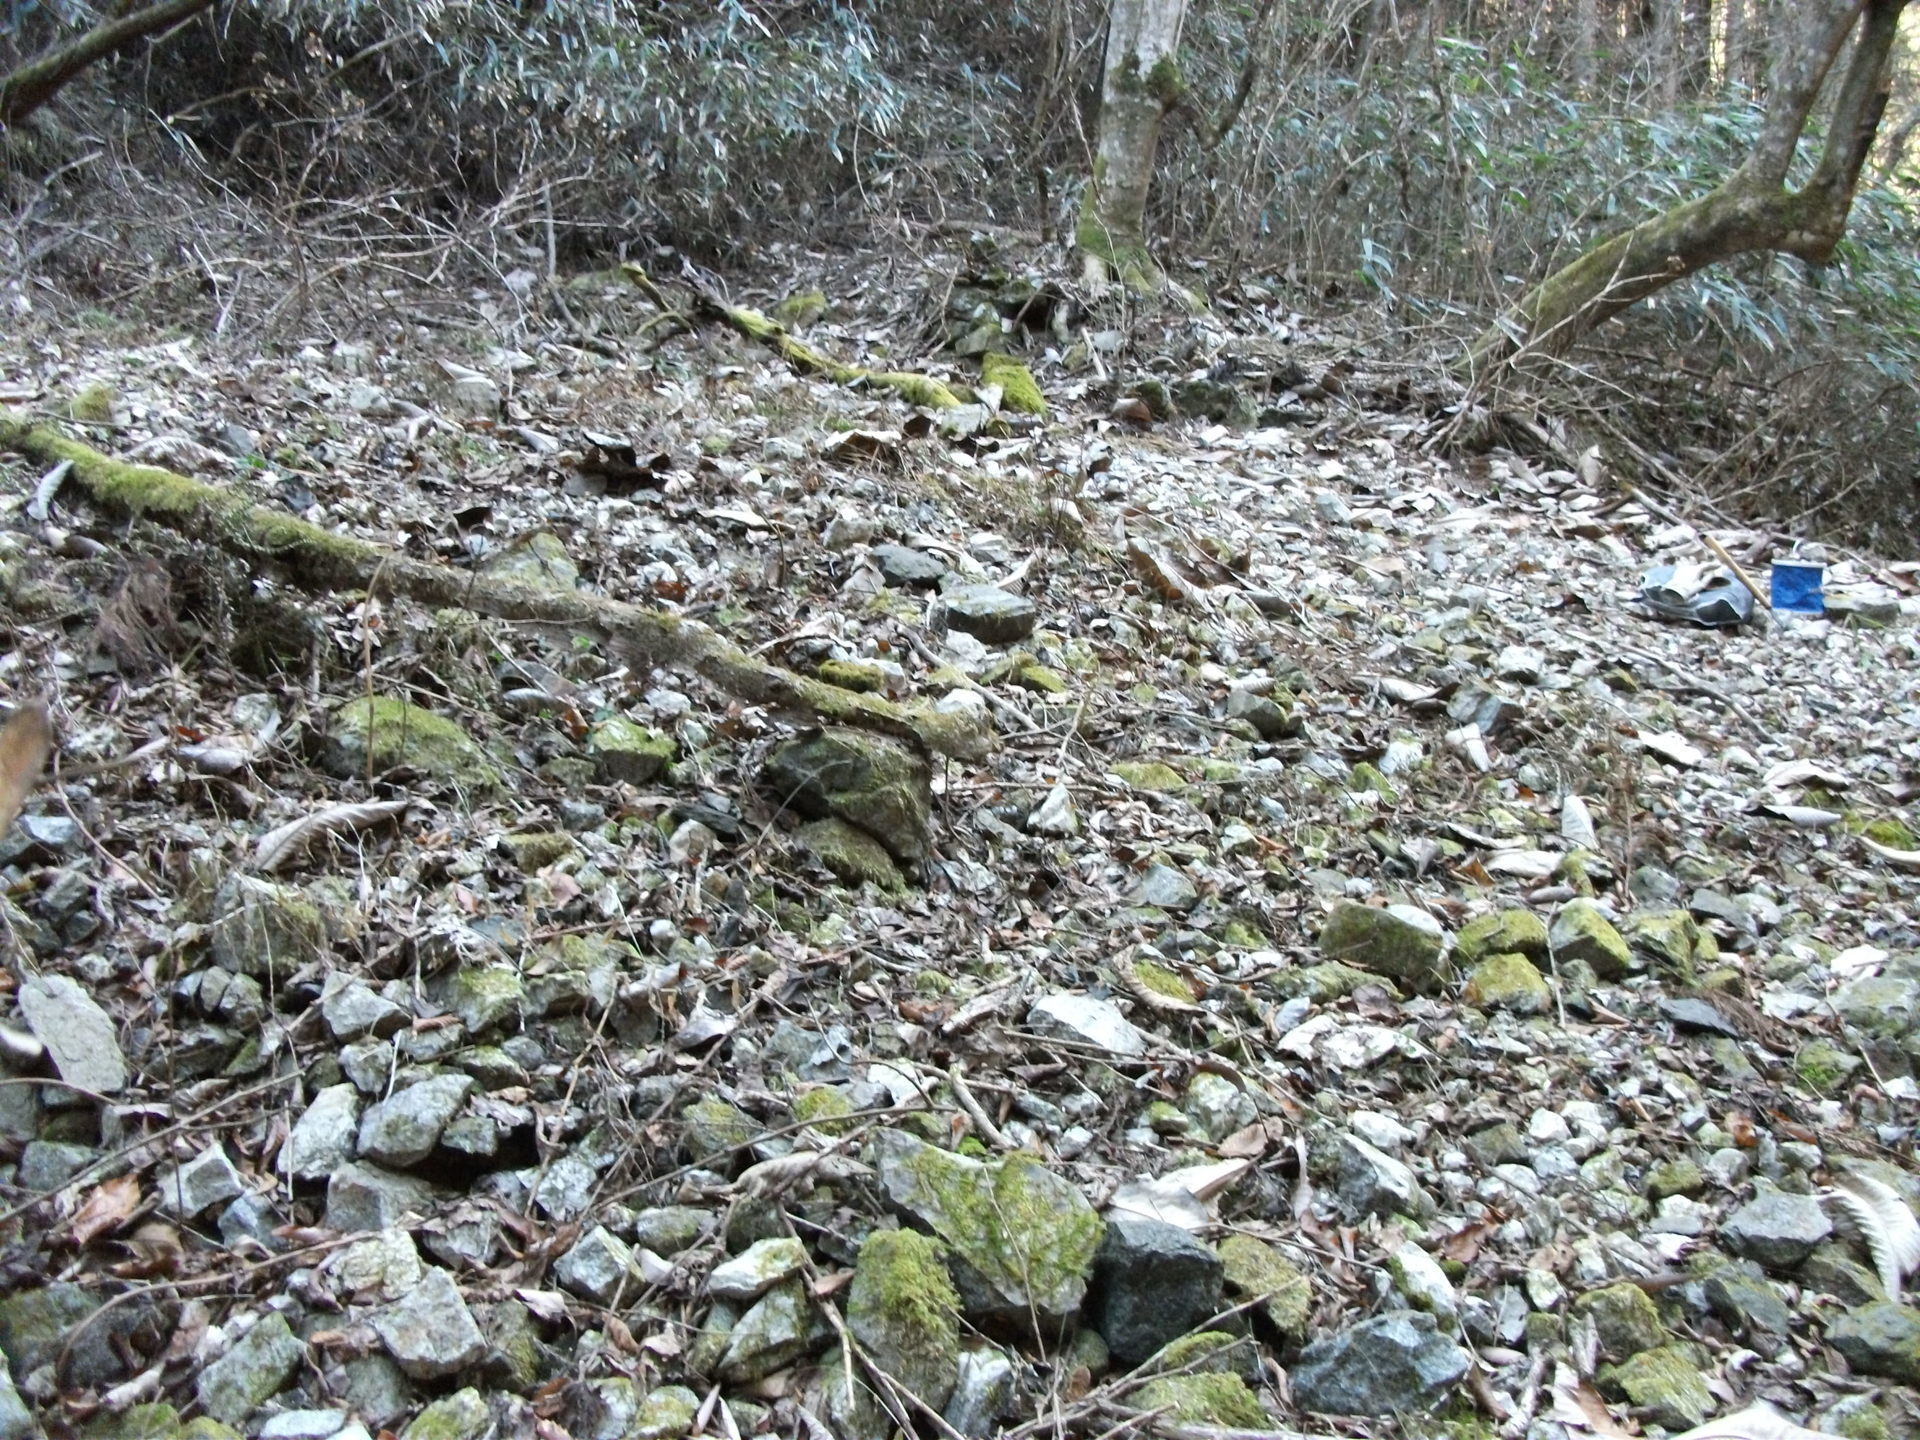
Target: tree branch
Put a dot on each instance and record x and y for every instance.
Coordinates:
(33, 84)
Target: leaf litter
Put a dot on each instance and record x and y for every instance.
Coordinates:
(555, 1000)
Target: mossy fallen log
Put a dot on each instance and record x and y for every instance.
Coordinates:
(914, 388)
(320, 560)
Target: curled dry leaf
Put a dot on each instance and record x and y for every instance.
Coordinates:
(1756, 1422)
(110, 1206)
(281, 845)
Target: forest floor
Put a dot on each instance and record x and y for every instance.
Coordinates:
(1373, 940)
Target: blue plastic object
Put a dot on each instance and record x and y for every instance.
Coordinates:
(1797, 587)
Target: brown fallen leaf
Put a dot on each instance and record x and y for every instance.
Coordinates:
(111, 1205)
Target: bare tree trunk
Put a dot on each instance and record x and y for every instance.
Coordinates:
(1586, 43)
(1666, 53)
(33, 84)
(1751, 210)
(1737, 31)
(1142, 82)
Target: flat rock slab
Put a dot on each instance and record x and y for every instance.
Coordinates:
(77, 1033)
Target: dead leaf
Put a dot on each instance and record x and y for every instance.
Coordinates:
(110, 1206)
(282, 844)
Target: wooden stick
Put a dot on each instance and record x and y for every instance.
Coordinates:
(1734, 565)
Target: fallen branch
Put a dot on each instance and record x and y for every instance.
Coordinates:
(25, 89)
(320, 560)
(916, 389)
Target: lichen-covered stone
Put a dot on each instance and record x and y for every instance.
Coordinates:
(1880, 1339)
(1582, 932)
(1399, 941)
(625, 752)
(259, 1363)
(1151, 775)
(1212, 1399)
(1508, 982)
(1667, 1383)
(374, 734)
(1624, 1318)
(852, 855)
(713, 1131)
(1021, 1240)
(267, 929)
(871, 782)
(1669, 940)
(1505, 932)
(1018, 392)
(462, 1415)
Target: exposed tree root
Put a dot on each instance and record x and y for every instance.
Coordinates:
(319, 560)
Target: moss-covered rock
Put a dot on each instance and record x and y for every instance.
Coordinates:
(824, 1107)
(854, 676)
(1020, 1239)
(1624, 1319)
(852, 855)
(1823, 1067)
(1666, 1383)
(538, 849)
(1678, 1176)
(1581, 932)
(1399, 941)
(1669, 940)
(1505, 932)
(624, 752)
(460, 1416)
(1221, 1400)
(375, 734)
(1254, 1268)
(904, 1310)
(267, 929)
(484, 996)
(869, 781)
(712, 1131)
(1509, 982)
(1880, 1339)
(1018, 392)
(1150, 775)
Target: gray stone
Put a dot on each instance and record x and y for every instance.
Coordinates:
(1391, 1363)
(322, 1139)
(303, 1425)
(469, 1236)
(1777, 1229)
(368, 1064)
(430, 1332)
(1373, 1183)
(780, 1329)
(1163, 887)
(757, 1269)
(46, 1165)
(1217, 1106)
(982, 1392)
(901, 565)
(875, 784)
(598, 1267)
(352, 1009)
(79, 1037)
(1270, 720)
(36, 1323)
(1750, 1304)
(375, 1389)
(990, 614)
(253, 1370)
(566, 1190)
(403, 1129)
(382, 1267)
(196, 1185)
(365, 1197)
(1152, 1283)
(252, 1217)
(15, 1419)
(1088, 1021)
